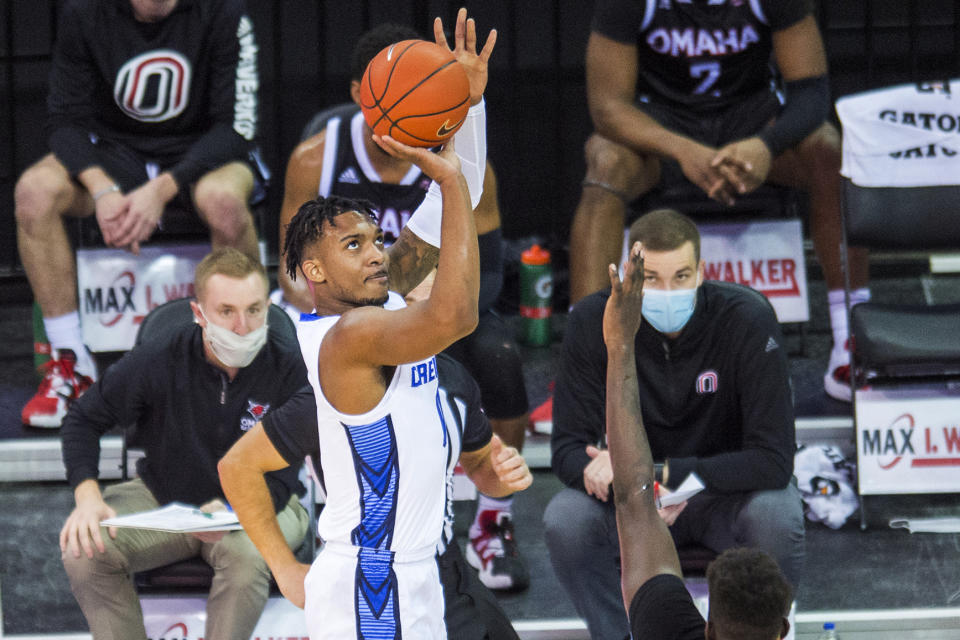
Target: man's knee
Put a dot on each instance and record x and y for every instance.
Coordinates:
(237, 560)
(617, 168)
(224, 207)
(82, 570)
(43, 190)
(820, 155)
(773, 516)
(571, 523)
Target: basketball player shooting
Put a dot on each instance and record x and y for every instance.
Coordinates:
(384, 449)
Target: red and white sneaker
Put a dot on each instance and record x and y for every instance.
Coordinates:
(541, 418)
(494, 553)
(61, 385)
(836, 381)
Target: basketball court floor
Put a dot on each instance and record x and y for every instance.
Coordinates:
(879, 583)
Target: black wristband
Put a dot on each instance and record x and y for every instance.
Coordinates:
(807, 106)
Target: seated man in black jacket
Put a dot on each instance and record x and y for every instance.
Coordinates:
(715, 399)
(191, 393)
(749, 597)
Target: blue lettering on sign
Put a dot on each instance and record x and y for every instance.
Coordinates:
(423, 372)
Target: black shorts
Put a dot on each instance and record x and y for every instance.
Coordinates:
(715, 128)
(130, 169)
(471, 610)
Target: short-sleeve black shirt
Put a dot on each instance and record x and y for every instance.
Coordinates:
(662, 608)
(696, 54)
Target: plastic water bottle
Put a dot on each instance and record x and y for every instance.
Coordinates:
(829, 632)
(536, 293)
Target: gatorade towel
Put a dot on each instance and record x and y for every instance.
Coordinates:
(902, 136)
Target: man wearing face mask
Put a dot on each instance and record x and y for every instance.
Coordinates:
(191, 390)
(715, 399)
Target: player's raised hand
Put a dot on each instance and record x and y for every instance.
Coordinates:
(465, 51)
(509, 465)
(440, 166)
(621, 316)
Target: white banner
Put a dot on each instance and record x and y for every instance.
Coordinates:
(117, 289)
(765, 255)
(902, 136)
(908, 440)
(176, 618)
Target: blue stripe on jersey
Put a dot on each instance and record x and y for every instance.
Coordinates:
(374, 448)
(443, 422)
(376, 596)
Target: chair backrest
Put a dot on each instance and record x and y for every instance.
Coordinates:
(902, 218)
(319, 121)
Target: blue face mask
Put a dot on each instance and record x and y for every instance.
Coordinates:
(668, 311)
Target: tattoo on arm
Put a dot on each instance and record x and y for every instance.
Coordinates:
(411, 259)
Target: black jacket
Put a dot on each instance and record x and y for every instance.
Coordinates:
(716, 400)
(186, 411)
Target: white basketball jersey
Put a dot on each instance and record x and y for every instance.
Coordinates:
(384, 470)
(385, 475)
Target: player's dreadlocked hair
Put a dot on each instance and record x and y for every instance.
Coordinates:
(307, 226)
(749, 596)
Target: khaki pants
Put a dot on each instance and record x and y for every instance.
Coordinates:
(104, 589)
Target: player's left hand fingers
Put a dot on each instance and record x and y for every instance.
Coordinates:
(438, 35)
(470, 43)
(522, 482)
(733, 174)
(460, 31)
(487, 50)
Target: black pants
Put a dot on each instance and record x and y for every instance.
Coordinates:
(472, 611)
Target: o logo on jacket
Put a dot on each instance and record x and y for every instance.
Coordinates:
(707, 382)
(154, 86)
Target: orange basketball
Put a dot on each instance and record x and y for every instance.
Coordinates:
(416, 92)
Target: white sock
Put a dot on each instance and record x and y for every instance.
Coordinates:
(838, 313)
(486, 503)
(63, 332)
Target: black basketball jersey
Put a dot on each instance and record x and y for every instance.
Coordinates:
(699, 54)
(348, 172)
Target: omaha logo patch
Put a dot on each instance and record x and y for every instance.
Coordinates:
(256, 411)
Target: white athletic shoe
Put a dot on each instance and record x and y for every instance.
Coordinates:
(836, 381)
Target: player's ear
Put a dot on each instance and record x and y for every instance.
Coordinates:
(312, 270)
(355, 91)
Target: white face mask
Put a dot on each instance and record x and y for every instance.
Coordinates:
(231, 348)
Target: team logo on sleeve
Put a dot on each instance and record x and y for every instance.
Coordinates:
(154, 86)
(707, 382)
(256, 411)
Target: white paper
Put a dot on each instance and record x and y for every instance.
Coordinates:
(690, 487)
(177, 517)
